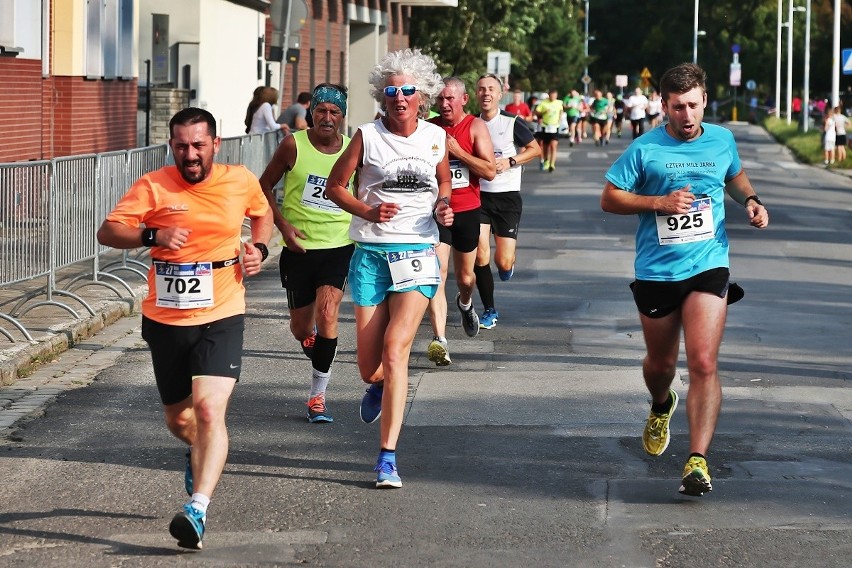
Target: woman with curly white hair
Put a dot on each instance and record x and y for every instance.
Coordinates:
(403, 191)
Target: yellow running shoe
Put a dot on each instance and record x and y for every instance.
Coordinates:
(655, 438)
(696, 478)
(439, 353)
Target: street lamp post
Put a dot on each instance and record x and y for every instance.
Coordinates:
(586, 41)
(695, 35)
(778, 66)
(790, 59)
(807, 90)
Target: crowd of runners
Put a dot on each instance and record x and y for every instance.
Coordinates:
(380, 215)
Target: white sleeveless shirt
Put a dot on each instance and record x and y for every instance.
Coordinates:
(398, 169)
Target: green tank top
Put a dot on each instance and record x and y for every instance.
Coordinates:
(305, 204)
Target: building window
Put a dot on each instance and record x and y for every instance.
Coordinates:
(316, 7)
(332, 10)
(109, 39)
(342, 68)
(313, 62)
(328, 66)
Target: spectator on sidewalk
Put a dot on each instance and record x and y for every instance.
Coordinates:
(296, 116)
(259, 117)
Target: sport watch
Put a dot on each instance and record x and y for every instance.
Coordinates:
(512, 162)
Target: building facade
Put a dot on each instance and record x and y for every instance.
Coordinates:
(71, 71)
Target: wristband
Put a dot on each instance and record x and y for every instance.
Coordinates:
(264, 251)
(149, 237)
(754, 198)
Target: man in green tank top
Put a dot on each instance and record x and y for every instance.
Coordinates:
(315, 260)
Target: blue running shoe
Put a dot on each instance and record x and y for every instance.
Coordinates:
(388, 476)
(371, 404)
(489, 319)
(506, 274)
(188, 527)
(187, 474)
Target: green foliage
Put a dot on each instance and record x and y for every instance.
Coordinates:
(541, 35)
(545, 38)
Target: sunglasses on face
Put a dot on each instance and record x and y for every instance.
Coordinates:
(407, 90)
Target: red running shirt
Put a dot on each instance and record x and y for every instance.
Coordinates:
(465, 196)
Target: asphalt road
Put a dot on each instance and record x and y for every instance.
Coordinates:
(526, 451)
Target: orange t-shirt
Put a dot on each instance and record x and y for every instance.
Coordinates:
(214, 210)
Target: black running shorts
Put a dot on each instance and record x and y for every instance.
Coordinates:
(463, 234)
(302, 273)
(659, 299)
(503, 212)
(180, 353)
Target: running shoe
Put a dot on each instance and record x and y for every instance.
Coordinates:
(488, 319)
(371, 404)
(439, 353)
(546, 165)
(388, 476)
(655, 438)
(552, 168)
(469, 319)
(188, 527)
(506, 275)
(187, 474)
(696, 477)
(317, 410)
(308, 344)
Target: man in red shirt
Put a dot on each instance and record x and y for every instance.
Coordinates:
(519, 107)
(471, 158)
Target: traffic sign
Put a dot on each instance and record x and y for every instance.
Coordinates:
(646, 78)
(751, 85)
(499, 63)
(621, 80)
(586, 79)
(846, 58)
(736, 74)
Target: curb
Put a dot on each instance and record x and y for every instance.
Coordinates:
(45, 350)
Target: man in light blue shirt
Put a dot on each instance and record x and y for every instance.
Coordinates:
(675, 179)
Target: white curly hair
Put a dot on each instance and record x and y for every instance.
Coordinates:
(407, 62)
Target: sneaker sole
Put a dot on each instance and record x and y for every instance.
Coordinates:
(320, 419)
(388, 484)
(695, 485)
(181, 529)
(439, 356)
(379, 415)
(485, 326)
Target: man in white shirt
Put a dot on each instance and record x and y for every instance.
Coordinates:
(637, 106)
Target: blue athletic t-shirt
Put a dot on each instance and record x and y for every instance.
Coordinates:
(658, 164)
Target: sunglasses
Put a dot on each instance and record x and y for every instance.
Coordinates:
(407, 90)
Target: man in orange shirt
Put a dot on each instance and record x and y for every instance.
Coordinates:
(192, 318)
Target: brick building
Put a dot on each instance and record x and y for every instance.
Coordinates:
(71, 70)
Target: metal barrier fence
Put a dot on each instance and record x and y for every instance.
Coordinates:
(50, 211)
